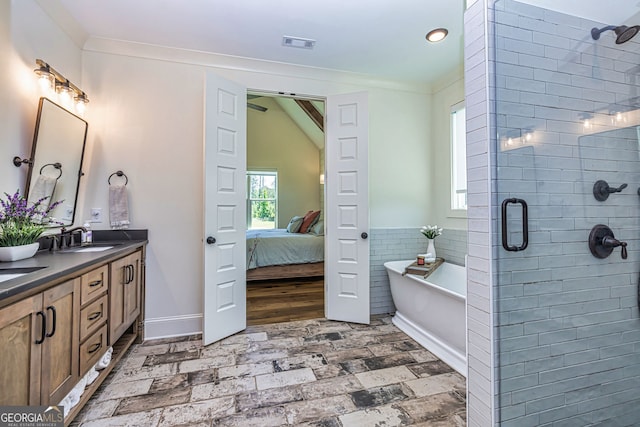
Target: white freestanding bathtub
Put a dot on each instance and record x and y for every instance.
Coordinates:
(432, 310)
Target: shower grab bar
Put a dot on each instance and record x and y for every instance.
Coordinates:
(525, 225)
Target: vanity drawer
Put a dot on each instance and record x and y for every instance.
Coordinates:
(92, 349)
(93, 284)
(92, 316)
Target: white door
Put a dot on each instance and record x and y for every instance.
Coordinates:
(225, 146)
(347, 216)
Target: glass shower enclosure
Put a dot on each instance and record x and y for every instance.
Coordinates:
(567, 203)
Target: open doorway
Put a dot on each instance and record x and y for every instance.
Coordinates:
(285, 208)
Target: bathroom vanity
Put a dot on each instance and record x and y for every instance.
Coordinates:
(61, 311)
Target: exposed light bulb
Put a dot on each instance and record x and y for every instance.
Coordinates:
(65, 93)
(81, 103)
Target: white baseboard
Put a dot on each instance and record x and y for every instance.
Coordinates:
(173, 326)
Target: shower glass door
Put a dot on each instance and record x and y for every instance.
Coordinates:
(567, 242)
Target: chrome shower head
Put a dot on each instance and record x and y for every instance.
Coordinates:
(623, 33)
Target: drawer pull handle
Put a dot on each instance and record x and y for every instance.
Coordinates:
(94, 316)
(95, 283)
(95, 348)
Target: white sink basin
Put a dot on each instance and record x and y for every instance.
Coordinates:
(5, 277)
(12, 273)
(93, 249)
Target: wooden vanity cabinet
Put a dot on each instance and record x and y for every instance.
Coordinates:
(20, 355)
(124, 294)
(50, 338)
(38, 362)
(61, 305)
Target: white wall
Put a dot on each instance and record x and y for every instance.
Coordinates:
(275, 142)
(146, 119)
(26, 33)
(447, 93)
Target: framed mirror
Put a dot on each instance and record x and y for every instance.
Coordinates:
(56, 160)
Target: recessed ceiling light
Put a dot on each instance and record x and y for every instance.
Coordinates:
(437, 35)
(298, 42)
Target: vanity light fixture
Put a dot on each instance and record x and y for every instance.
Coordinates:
(65, 93)
(69, 94)
(46, 79)
(437, 35)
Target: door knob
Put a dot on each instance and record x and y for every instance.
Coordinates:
(211, 240)
(364, 235)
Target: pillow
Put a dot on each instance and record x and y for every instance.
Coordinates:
(309, 218)
(315, 221)
(294, 224)
(317, 228)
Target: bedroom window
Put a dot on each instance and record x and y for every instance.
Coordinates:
(458, 158)
(262, 200)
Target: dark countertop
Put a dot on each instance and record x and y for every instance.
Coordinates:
(62, 263)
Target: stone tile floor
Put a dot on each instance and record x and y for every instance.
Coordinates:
(304, 373)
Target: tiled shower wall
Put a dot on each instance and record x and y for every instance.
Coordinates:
(393, 244)
(568, 331)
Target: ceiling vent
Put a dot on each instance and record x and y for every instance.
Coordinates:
(298, 42)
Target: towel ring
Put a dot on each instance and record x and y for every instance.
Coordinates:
(56, 165)
(119, 173)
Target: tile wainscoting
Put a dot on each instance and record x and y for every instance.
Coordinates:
(390, 244)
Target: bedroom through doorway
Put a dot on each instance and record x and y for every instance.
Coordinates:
(285, 208)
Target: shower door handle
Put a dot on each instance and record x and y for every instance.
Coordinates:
(525, 225)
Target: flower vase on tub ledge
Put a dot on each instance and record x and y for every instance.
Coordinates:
(431, 232)
(21, 224)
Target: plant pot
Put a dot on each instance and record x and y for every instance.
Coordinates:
(15, 253)
(431, 249)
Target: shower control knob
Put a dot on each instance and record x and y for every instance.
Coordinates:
(602, 242)
(610, 242)
(601, 190)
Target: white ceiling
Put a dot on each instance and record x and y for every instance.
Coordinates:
(382, 38)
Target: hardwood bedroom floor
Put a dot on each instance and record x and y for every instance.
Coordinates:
(286, 300)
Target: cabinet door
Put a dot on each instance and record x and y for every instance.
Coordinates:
(132, 291)
(60, 355)
(21, 335)
(124, 294)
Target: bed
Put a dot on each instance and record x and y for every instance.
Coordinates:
(278, 254)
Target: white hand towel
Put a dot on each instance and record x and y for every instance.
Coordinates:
(73, 397)
(92, 375)
(105, 360)
(118, 206)
(65, 405)
(43, 189)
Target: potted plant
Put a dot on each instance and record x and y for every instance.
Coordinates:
(21, 224)
(431, 232)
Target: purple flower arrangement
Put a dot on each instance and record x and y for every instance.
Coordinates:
(22, 223)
